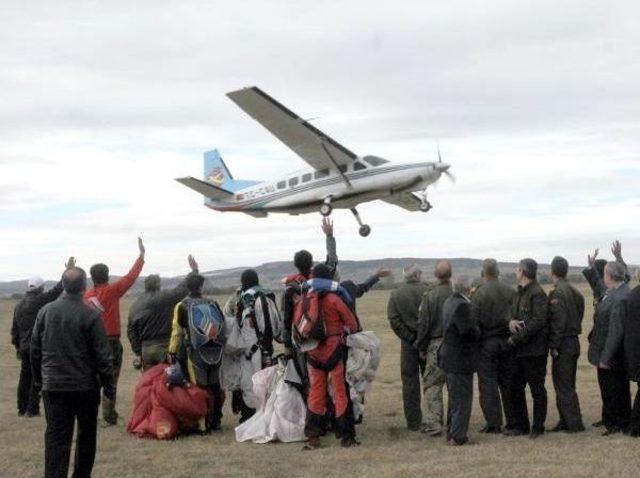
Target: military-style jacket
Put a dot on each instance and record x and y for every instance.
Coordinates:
(566, 310)
(631, 343)
(606, 336)
(530, 306)
(25, 313)
(491, 308)
(402, 310)
(459, 352)
(430, 314)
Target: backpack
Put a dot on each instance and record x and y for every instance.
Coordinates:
(260, 307)
(308, 321)
(206, 336)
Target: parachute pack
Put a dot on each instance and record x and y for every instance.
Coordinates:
(206, 323)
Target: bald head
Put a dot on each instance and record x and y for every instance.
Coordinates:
(443, 270)
(462, 285)
(74, 280)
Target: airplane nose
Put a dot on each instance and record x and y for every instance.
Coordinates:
(442, 167)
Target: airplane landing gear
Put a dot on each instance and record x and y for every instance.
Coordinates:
(326, 208)
(425, 205)
(365, 229)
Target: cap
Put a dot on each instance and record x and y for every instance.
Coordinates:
(35, 282)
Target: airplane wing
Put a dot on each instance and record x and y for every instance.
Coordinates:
(316, 148)
(408, 201)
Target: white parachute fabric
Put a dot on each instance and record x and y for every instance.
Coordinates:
(232, 356)
(281, 414)
(363, 360)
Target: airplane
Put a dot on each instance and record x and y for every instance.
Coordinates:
(338, 179)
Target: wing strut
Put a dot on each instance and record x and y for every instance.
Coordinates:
(335, 163)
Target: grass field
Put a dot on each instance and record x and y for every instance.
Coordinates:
(387, 449)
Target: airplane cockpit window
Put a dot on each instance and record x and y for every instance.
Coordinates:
(306, 177)
(343, 168)
(374, 160)
(293, 182)
(357, 166)
(323, 173)
(282, 185)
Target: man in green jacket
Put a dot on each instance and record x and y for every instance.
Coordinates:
(428, 342)
(566, 310)
(402, 312)
(491, 310)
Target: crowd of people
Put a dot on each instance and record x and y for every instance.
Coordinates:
(70, 347)
(451, 330)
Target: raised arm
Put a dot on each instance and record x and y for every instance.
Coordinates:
(332, 255)
(172, 296)
(124, 283)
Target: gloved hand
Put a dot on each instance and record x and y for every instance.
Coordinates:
(137, 362)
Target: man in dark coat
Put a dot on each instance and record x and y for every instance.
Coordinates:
(529, 339)
(458, 357)
(631, 346)
(150, 317)
(566, 310)
(71, 361)
(402, 312)
(605, 350)
(491, 309)
(24, 316)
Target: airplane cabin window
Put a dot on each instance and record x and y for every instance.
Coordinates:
(293, 182)
(374, 160)
(282, 184)
(306, 177)
(343, 168)
(323, 173)
(357, 166)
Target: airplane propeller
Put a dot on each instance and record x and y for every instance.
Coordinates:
(444, 168)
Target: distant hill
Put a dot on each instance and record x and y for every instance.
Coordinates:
(272, 272)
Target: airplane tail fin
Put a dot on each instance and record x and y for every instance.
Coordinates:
(217, 173)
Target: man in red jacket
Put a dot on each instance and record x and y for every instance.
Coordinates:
(105, 298)
(328, 360)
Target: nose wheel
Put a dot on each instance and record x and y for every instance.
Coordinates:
(425, 206)
(365, 229)
(326, 208)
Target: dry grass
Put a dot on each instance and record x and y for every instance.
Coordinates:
(388, 449)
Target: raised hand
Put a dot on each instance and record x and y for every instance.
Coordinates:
(591, 259)
(616, 250)
(327, 226)
(71, 263)
(192, 263)
(141, 248)
(383, 272)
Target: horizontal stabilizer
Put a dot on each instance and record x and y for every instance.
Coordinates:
(208, 190)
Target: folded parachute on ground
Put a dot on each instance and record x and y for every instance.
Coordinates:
(282, 412)
(160, 412)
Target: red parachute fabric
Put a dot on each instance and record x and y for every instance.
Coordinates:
(162, 413)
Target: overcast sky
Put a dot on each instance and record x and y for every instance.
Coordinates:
(535, 104)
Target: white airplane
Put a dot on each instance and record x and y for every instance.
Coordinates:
(339, 178)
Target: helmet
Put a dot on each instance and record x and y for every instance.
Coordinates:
(174, 375)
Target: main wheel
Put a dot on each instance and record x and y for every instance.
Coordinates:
(326, 209)
(425, 206)
(364, 230)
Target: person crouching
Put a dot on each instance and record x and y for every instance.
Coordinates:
(326, 361)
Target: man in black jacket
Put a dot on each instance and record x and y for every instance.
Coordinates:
(150, 317)
(458, 357)
(24, 316)
(631, 347)
(71, 360)
(566, 310)
(529, 338)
